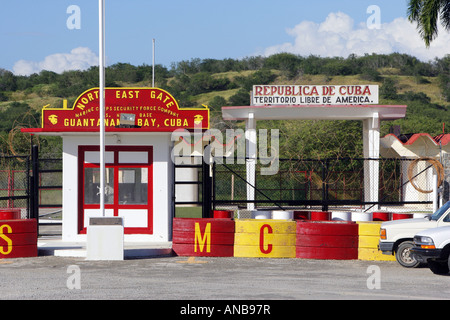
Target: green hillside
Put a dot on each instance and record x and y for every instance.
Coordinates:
(423, 86)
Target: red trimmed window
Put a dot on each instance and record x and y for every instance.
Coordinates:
(128, 186)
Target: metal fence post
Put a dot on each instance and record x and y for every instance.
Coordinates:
(206, 186)
(325, 185)
(213, 185)
(34, 194)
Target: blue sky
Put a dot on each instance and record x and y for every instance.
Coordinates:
(34, 34)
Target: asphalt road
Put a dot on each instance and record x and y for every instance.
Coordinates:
(182, 278)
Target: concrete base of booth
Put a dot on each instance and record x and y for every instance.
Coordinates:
(104, 242)
(56, 247)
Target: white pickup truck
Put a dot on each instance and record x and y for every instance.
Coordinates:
(432, 246)
(396, 237)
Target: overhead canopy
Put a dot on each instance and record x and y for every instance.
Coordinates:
(315, 112)
(371, 116)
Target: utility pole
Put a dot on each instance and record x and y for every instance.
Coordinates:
(153, 71)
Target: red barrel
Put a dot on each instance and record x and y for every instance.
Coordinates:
(301, 215)
(380, 216)
(327, 240)
(223, 214)
(200, 237)
(399, 216)
(10, 214)
(18, 238)
(320, 216)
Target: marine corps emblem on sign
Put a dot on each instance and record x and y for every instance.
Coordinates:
(53, 119)
(198, 119)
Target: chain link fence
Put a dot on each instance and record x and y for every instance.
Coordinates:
(379, 184)
(14, 187)
(50, 183)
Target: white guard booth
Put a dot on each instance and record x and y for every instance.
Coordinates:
(139, 170)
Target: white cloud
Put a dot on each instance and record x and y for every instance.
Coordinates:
(338, 36)
(80, 58)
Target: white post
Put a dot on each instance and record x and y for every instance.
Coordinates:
(250, 135)
(153, 63)
(101, 7)
(435, 193)
(371, 141)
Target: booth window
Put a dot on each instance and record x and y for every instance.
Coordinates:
(92, 186)
(133, 185)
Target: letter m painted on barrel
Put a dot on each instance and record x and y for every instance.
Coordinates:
(200, 239)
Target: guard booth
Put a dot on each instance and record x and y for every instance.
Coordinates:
(139, 170)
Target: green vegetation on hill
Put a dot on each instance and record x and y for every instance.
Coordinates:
(403, 79)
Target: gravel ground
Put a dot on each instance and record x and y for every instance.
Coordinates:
(182, 278)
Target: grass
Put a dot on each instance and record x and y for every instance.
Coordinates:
(205, 98)
(188, 212)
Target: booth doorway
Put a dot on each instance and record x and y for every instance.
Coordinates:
(128, 186)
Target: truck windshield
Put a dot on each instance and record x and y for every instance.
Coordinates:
(440, 211)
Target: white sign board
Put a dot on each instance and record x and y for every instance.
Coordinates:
(314, 95)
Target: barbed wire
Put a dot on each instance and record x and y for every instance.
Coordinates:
(438, 167)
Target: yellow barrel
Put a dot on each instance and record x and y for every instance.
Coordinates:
(369, 236)
(253, 239)
(254, 226)
(264, 238)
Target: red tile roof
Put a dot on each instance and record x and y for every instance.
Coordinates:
(409, 139)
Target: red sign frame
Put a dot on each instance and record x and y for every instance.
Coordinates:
(154, 109)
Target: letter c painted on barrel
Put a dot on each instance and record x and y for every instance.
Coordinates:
(261, 239)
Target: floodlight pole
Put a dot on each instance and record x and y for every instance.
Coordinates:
(101, 7)
(153, 65)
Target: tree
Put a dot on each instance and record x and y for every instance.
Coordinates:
(260, 77)
(7, 80)
(388, 90)
(217, 102)
(427, 13)
(241, 98)
(123, 72)
(18, 114)
(215, 106)
(288, 63)
(318, 139)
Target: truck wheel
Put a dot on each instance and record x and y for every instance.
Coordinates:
(448, 262)
(404, 256)
(438, 267)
